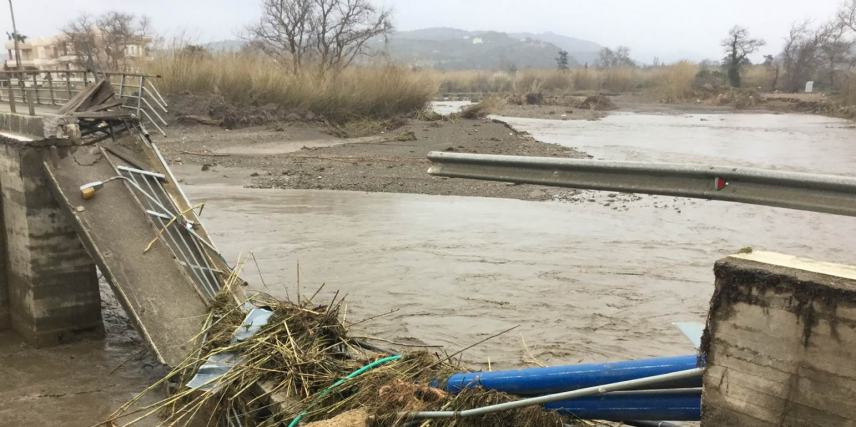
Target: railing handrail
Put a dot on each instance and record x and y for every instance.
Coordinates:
(56, 87)
(109, 73)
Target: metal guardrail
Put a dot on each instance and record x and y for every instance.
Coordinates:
(56, 87)
(820, 193)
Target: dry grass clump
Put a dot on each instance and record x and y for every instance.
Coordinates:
(243, 79)
(669, 83)
(487, 106)
(847, 84)
(472, 81)
(675, 82)
(531, 416)
(757, 77)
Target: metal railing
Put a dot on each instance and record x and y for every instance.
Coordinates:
(54, 88)
(805, 191)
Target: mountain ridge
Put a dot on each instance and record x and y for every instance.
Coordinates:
(457, 49)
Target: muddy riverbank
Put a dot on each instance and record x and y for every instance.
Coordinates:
(300, 156)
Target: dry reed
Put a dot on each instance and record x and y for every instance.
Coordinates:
(287, 368)
(358, 92)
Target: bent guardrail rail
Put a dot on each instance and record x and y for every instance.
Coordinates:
(833, 194)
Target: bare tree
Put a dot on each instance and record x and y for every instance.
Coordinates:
(834, 49)
(800, 55)
(284, 30)
(102, 43)
(343, 27)
(332, 33)
(620, 57)
(847, 15)
(738, 46)
(118, 31)
(81, 41)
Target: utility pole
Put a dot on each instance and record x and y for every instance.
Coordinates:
(15, 37)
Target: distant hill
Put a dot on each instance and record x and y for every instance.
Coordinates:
(454, 49)
(451, 48)
(583, 51)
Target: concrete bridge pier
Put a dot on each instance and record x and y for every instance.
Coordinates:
(781, 343)
(48, 284)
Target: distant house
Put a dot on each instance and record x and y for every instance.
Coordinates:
(478, 40)
(56, 53)
(45, 53)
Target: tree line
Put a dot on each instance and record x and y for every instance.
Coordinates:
(825, 53)
(326, 36)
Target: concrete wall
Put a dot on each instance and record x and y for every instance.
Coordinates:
(50, 284)
(781, 343)
(20, 124)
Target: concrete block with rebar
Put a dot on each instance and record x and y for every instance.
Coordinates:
(781, 343)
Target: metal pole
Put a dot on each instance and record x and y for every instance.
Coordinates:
(36, 88)
(18, 61)
(11, 96)
(834, 194)
(583, 392)
(51, 85)
(15, 38)
(140, 97)
(68, 84)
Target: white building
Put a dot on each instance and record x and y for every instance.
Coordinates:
(54, 53)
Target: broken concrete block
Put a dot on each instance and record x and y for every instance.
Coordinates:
(781, 343)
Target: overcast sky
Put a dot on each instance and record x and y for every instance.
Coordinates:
(669, 29)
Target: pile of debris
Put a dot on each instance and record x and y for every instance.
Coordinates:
(270, 362)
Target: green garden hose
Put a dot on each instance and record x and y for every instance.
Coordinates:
(352, 375)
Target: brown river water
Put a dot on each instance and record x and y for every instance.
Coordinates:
(596, 277)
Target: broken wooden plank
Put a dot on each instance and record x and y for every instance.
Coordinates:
(116, 115)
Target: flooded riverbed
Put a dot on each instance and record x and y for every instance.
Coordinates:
(601, 277)
(584, 281)
(595, 277)
(800, 142)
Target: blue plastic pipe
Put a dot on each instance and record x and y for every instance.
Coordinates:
(667, 407)
(538, 381)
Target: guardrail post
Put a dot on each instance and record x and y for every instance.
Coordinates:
(36, 88)
(51, 88)
(122, 86)
(140, 94)
(30, 105)
(11, 96)
(68, 83)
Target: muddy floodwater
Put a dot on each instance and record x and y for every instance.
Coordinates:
(800, 142)
(583, 281)
(590, 277)
(597, 277)
(447, 107)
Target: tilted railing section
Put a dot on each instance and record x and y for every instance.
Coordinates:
(27, 90)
